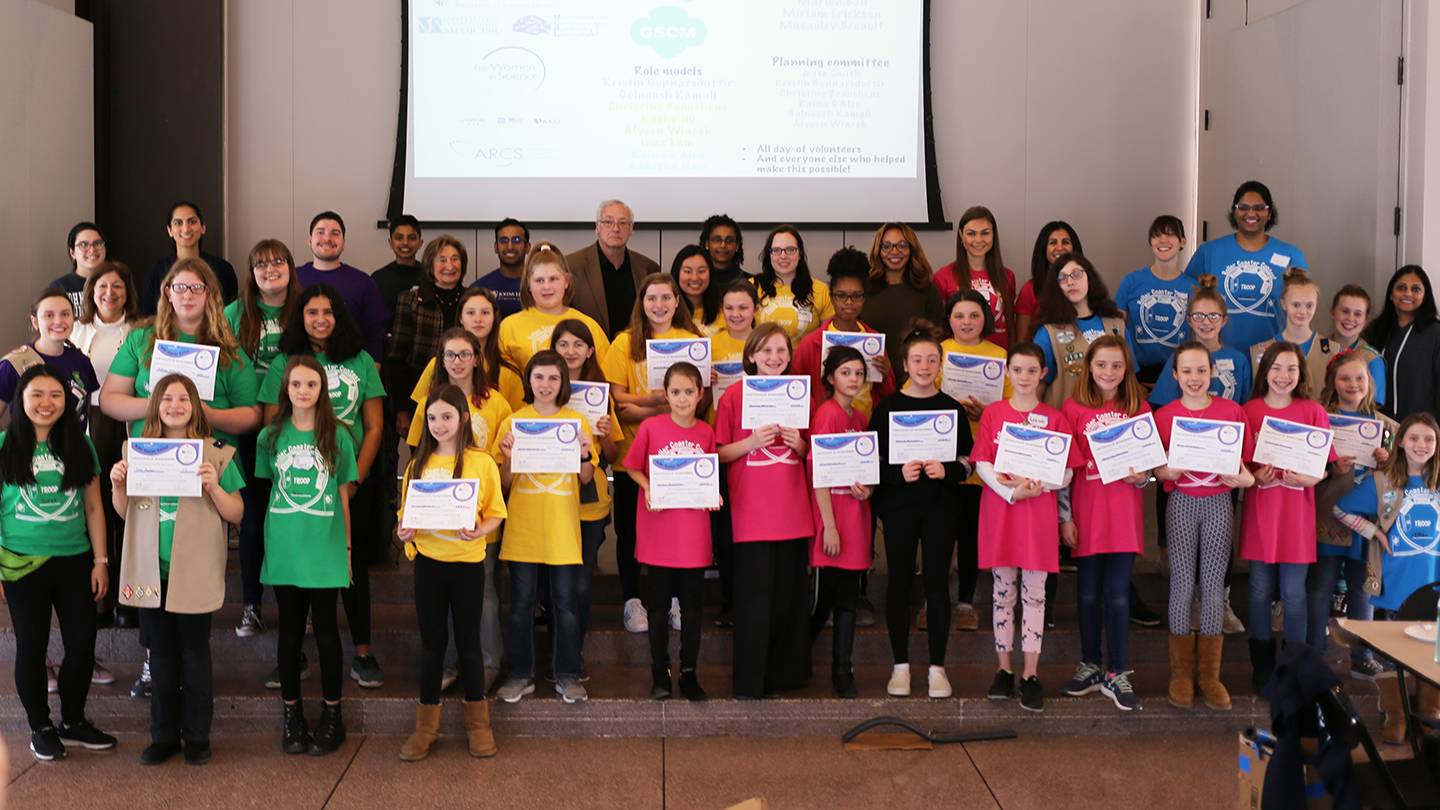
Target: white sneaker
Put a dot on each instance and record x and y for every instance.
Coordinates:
(1233, 625)
(899, 685)
(635, 619)
(674, 613)
(939, 684)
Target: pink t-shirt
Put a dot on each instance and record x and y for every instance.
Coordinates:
(1110, 518)
(769, 487)
(948, 283)
(673, 538)
(1203, 485)
(852, 516)
(1024, 534)
(1279, 521)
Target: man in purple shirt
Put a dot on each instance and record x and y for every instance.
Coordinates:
(361, 294)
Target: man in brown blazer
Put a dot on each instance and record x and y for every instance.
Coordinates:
(607, 272)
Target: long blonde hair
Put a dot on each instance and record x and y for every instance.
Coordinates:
(1330, 399)
(214, 329)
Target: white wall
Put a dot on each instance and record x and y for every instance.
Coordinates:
(47, 139)
(1421, 137)
(1044, 109)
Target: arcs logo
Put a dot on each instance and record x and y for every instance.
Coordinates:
(669, 30)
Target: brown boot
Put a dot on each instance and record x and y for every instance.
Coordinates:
(1182, 671)
(477, 728)
(427, 729)
(1389, 687)
(1427, 701)
(1208, 654)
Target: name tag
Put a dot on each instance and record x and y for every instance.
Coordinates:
(1280, 260)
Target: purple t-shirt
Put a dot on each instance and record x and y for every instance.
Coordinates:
(73, 366)
(506, 289)
(362, 298)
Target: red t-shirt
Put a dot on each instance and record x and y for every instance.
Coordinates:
(1026, 303)
(1110, 518)
(1279, 521)
(769, 487)
(852, 516)
(948, 283)
(672, 538)
(1025, 534)
(1203, 485)
(807, 361)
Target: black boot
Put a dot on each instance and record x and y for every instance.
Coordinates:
(329, 732)
(690, 687)
(1262, 663)
(660, 683)
(842, 642)
(296, 736)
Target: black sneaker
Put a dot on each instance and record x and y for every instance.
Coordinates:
(45, 744)
(85, 735)
(690, 687)
(1032, 695)
(272, 681)
(660, 687)
(723, 620)
(1141, 614)
(1003, 687)
(197, 753)
(1087, 678)
(156, 753)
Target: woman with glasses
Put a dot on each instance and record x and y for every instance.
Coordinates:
(1249, 265)
(1056, 238)
(901, 287)
(720, 236)
(788, 295)
(86, 246)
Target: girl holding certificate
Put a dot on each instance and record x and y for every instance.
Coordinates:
(542, 536)
(450, 569)
(773, 530)
(849, 274)
(916, 501)
(1278, 527)
(843, 533)
(546, 289)
(1349, 312)
(1018, 517)
(789, 295)
(673, 543)
(727, 355)
(1198, 522)
(1105, 528)
(1074, 311)
(657, 315)
(177, 586)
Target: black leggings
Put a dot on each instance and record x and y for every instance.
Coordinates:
(61, 584)
(319, 603)
(967, 546)
(933, 530)
(839, 590)
(356, 598)
(685, 584)
(623, 507)
(183, 702)
(448, 592)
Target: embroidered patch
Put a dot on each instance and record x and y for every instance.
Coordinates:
(128, 592)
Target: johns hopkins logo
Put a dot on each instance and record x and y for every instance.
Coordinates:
(1248, 285)
(1162, 317)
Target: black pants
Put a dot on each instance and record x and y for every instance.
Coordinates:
(684, 584)
(967, 545)
(256, 495)
(772, 597)
(448, 592)
(838, 591)
(62, 584)
(933, 530)
(363, 522)
(624, 495)
(183, 701)
(722, 545)
(295, 603)
(109, 436)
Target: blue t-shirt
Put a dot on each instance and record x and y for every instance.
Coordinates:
(1356, 549)
(1414, 557)
(1230, 379)
(1154, 314)
(1250, 283)
(1091, 328)
(506, 289)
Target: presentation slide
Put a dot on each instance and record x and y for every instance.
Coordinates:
(771, 110)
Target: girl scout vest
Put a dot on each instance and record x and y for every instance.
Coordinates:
(1317, 360)
(1387, 511)
(1328, 493)
(1068, 346)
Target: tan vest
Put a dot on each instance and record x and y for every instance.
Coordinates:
(197, 557)
(1387, 511)
(1317, 360)
(1328, 493)
(22, 358)
(1068, 346)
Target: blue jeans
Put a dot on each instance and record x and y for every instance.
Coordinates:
(1104, 593)
(564, 620)
(1290, 578)
(1323, 577)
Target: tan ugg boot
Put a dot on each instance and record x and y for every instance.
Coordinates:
(427, 729)
(1389, 687)
(1208, 654)
(1182, 671)
(477, 728)
(1427, 701)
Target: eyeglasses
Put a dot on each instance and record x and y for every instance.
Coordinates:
(509, 240)
(1205, 317)
(1073, 275)
(465, 355)
(609, 224)
(180, 289)
(893, 247)
(727, 241)
(784, 251)
(266, 264)
(83, 246)
(847, 298)
(1246, 209)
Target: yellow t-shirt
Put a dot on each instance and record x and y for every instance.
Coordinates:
(797, 321)
(448, 546)
(511, 388)
(599, 508)
(484, 419)
(724, 348)
(544, 509)
(632, 377)
(984, 349)
(528, 331)
(716, 324)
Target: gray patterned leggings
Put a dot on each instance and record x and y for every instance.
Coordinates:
(1029, 587)
(1199, 531)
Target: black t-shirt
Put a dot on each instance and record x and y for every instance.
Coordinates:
(74, 286)
(619, 291)
(393, 279)
(895, 493)
(150, 289)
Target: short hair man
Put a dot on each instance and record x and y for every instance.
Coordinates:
(607, 272)
(512, 245)
(361, 294)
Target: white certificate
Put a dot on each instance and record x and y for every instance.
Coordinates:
(1293, 446)
(726, 375)
(545, 446)
(1133, 444)
(870, 345)
(441, 504)
(782, 400)
(685, 482)
(591, 399)
(164, 468)
(1357, 437)
(1030, 452)
(195, 360)
(923, 436)
(838, 460)
(1206, 445)
(973, 375)
(660, 355)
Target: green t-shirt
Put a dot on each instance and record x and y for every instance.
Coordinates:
(304, 525)
(42, 518)
(351, 384)
(270, 330)
(230, 480)
(235, 384)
